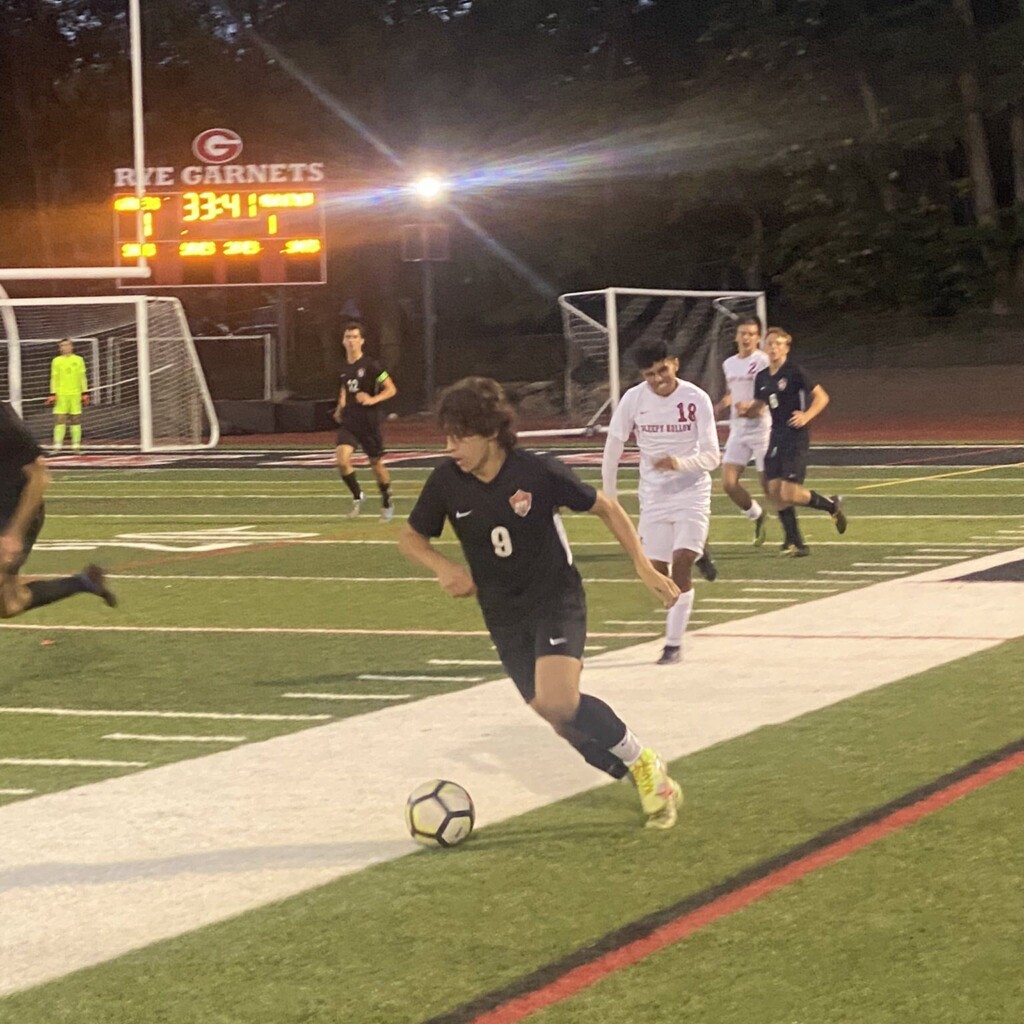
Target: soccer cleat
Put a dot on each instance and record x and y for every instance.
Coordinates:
(671, 655)
(357, 504)
(799, 551)
(839, 516)
(706, 566)
(669, 814)
(95, 582)
(657, 791)
(387, 513)
(760, 529)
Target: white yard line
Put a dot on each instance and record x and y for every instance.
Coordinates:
(71, 762)
(259, 517)
(788, 590)
(16, 792)
(348, 696)
(213, 716)
(373, 677)
(159, 853)
(465, 662)
(157, 738)
(272, 630)
(857, 572)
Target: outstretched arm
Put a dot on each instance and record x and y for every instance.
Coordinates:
(613, 449)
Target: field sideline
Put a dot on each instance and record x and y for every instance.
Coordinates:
(282, 663)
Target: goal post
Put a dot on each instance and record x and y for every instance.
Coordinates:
(602, 329)
(146, 383)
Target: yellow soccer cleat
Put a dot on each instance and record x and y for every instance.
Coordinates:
(667, 816)
(659, 795)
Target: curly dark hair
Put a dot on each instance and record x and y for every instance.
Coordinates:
(478, 406)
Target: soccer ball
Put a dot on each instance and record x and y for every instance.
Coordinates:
(439, 813)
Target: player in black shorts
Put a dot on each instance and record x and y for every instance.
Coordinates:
(23, 481)
(785, 389)
(364, 385)
(503, 504)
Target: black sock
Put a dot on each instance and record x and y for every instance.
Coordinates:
(603, 760)
(385, 494)
(787, 516)
(48, 591)
(352, 485)
(596, 720)
(825, 504)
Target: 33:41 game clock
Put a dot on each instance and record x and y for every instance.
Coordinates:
(217, 239)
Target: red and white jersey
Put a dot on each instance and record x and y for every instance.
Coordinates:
(739, 380)
(681, 425)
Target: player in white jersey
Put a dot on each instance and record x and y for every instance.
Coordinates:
(673, 422)
(749, 428)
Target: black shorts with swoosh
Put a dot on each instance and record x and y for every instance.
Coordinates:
(561, 629)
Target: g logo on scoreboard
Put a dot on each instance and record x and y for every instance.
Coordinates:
(217, 146)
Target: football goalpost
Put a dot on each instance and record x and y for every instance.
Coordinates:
(146, 384)
(603, 328)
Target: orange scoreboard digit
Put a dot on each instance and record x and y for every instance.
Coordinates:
(218, 239)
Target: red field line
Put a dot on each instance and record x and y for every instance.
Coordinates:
(584, 976)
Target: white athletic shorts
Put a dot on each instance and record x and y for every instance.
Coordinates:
(740, 449)
(662, 537)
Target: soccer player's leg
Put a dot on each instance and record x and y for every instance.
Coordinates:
(738, 453)
(689, 536)
(18, 595)
(373, 445)
(792, 494)
(61, 409)
(557, 693)
(656, 538)
(346, 445)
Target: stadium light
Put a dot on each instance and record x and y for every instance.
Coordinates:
(429, 188)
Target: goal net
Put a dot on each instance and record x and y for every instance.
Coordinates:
(603, 328)
(146, 385)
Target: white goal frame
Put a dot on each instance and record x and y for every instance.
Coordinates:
(141, 305)
(610, 328)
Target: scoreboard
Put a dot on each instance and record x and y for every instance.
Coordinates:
(214, 238)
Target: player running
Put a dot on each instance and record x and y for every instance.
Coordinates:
(364, 385)
(23, 481)
(673, 422)
(784, 389)
(748, 432)
(69, 391)
(503, 504)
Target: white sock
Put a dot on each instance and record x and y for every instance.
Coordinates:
(628, 749)
(677, 618)
(755, 511)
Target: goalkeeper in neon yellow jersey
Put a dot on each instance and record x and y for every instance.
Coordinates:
(69, 391)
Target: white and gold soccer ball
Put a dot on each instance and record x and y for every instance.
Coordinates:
(439, 813)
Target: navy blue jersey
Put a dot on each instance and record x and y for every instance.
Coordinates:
(785, 392)
(510, 530)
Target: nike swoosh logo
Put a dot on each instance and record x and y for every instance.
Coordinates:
(558, 640)
(462, 515)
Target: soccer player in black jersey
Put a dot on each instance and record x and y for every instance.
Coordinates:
(364, 385)
(23, 481)
(785, 389)
(503, 504)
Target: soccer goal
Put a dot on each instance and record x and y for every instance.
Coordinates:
(146, 384)
(602, 328)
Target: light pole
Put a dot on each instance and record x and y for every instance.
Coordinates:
(426, 243)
